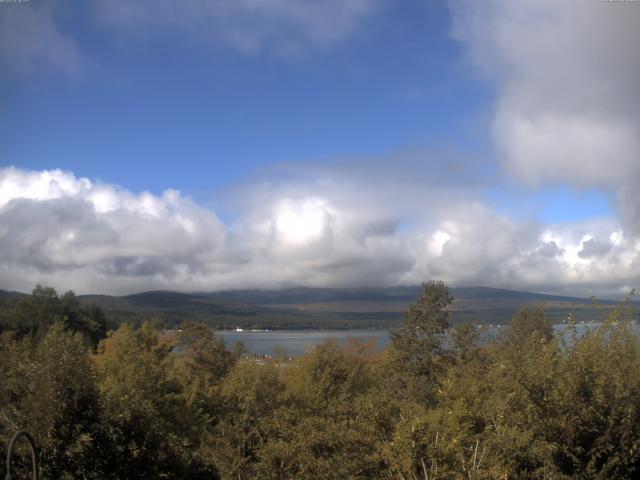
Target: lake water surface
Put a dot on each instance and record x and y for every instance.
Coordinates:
(296, 342)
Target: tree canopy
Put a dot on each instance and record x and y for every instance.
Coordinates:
(438, 403)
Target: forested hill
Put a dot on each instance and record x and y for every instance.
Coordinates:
(304, 295)
(172, 308)
(295, 308)
(332, 307)
(8, 296)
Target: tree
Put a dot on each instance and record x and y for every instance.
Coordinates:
(34, 314)
(89, 320)
(595, 416)
(149, 427)
(465, 340)
(417, 357)
(49, 390)
(325, 427)
(202, 358)
(529, 324)
(250, 395)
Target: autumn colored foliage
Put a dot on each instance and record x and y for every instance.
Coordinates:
(439, 403)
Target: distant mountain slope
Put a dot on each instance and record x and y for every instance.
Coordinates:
(303, 295)
(501, 293)
(193, 303)
(5, 294)
(330, 307)
(317, 295)
(472, 304)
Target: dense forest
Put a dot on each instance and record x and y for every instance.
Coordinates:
(107, 401)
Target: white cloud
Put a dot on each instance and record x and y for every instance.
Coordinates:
(566, 74)
(302, 223)
(341, 229)
(56, 226)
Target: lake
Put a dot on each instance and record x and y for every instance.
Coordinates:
(296, 342)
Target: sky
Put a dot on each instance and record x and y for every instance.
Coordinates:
(212, 145)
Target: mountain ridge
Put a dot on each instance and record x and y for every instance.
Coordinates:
(308, 307)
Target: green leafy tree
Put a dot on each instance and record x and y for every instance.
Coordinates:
(595, 416)
(149, 428)
(202, 359)
(325, 427)
(527, 325)
(418, 358)
(32, 315)
(465, 340)
(49, 390)
(250, 395)
(89, 320)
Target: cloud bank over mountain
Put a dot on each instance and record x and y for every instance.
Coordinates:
(341, 229)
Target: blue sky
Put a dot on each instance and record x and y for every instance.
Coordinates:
(221, 101)
(170, 106)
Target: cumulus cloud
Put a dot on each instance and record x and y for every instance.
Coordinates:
(566, 76)
(339, 229)
(57, 227)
